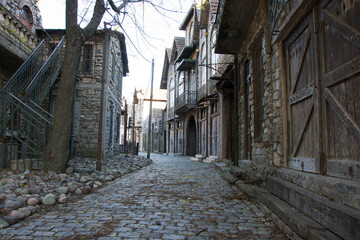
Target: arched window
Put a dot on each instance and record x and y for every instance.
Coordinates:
(181, 83)
(26, 17)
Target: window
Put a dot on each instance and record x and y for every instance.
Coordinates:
(214, 107)
(171, 95)
(203, 67)
(213, 55)
(87, 55)
(113, 67)
(181, 83)
(258, 74)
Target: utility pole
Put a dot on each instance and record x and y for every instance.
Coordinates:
(135, 101)
(150, 114)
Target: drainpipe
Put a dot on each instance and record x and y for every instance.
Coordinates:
(102, 94)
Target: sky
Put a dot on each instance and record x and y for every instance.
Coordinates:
(160, 30)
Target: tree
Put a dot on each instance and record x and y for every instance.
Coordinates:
(57, 151)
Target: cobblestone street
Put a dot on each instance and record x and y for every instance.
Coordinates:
(174, 198)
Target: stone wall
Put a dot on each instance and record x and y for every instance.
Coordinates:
(113, 97)
(269, 148)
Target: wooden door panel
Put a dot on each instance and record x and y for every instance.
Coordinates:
(340, 39)
(300, 52)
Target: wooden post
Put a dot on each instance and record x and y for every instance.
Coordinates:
(135, 101)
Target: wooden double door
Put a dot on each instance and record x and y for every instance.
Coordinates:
(323, 90)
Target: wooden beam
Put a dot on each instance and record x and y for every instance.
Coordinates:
(302, 129)
(155, 100)
(342, 72)
(292, 90)
(340, 110)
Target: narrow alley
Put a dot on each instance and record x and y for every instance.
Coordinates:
(174, 198)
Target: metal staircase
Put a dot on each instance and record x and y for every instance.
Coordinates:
(24, 125)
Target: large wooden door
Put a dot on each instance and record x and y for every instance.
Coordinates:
(301, 85)
(340, 51)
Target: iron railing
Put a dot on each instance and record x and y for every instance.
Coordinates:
(171, 113)
(46, 76)
(187, 97)
(201, 92)
(22, 77)
(26, 133)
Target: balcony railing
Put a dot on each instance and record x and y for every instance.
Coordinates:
(171, 113)
(201, 92)
(186, 98)
(12, 26)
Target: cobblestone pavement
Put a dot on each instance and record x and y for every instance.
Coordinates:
(174, 198)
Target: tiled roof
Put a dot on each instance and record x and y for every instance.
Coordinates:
(180, 43)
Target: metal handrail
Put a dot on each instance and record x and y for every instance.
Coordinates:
(21, 103)
(24, 125)
(46, 76)
(26, 72)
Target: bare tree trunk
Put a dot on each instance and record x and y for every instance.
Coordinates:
(57, 151)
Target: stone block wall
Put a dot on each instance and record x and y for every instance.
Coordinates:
(269, 149)
(113, 97)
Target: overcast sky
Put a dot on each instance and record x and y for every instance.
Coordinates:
(159, 29)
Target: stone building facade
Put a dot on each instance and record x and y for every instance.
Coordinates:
(294, 72)
(194, 116)
(103, 65)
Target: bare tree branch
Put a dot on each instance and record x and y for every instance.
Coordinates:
(122, 5)
(99, 11)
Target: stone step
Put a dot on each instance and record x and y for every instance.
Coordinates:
(339, 190)
(340, 219)
(194, 159)
(208, 160)
(199, 156)
(302, 225)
